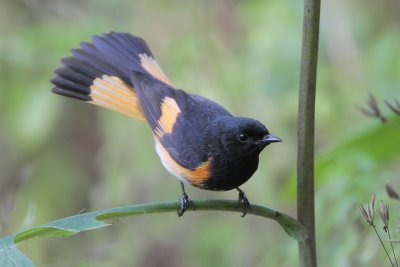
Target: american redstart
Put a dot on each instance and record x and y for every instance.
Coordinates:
(197, 140)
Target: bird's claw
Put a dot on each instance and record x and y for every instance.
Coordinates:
(185, 202)
(243, 201)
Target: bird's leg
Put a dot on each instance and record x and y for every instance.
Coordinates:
(242, 200)
(185, 200)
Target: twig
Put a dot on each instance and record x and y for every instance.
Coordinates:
(383, 212)
(394, 107)
(373, 109)
(391, 244)
(369, 217)
(383, 245)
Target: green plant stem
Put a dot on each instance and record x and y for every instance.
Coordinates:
(305, 152)
(97, 219)
(391, 244)
(383, 245)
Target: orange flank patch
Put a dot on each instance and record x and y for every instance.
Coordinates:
(152, 67)
(196, 177)
(112, 93)
(169, 113)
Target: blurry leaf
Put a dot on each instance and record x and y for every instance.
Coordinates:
(29, 217)
(392, 192)
(10, 256)
(379, 145)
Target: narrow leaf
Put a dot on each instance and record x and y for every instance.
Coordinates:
(10, 256)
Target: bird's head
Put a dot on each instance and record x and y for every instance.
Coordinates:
(244, 136)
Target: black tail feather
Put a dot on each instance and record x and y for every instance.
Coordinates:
(81, 67)
(70, 93)
(70, 85)
(90, 56)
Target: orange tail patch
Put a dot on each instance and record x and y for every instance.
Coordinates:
(151, 66)
(112, 93)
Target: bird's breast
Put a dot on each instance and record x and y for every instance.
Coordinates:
(229, 173)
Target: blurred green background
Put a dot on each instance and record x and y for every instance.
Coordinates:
(60, 157)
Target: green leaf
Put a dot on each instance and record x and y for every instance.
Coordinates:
(10, 256)
(64, 227)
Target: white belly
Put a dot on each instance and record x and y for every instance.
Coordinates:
(165, 163)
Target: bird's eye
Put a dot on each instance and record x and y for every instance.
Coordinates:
(243, 137)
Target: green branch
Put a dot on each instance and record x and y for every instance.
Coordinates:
(97, 219)
(9, 254)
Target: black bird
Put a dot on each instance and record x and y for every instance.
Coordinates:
(198, 140)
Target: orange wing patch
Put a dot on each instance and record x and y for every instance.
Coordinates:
(112, 93)
(196, 177)
(152, 67)
(169, 113)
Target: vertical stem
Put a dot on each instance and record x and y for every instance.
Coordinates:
(305, 154)
(383, 245)
(391, 244)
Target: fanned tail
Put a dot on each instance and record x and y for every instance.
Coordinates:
(99, 72)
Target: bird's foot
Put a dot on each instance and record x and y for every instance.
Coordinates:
(185, 202)
(243, 201)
